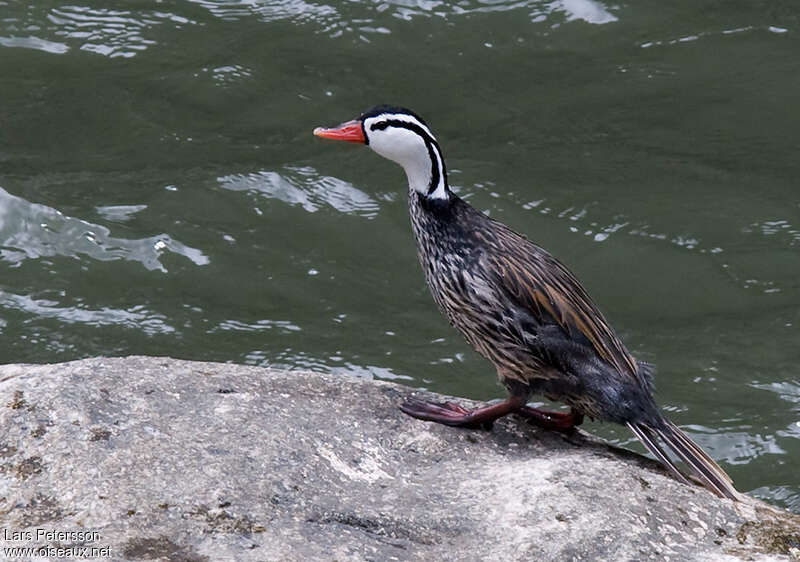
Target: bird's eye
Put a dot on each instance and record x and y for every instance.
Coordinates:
(379, 126)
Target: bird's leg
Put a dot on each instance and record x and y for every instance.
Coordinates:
(449, 413)
(560, 421)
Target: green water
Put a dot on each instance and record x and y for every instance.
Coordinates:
(162, 193)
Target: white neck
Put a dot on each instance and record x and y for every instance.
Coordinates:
(403, 139)
(419, 172)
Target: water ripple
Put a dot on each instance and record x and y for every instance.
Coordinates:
(787, 390)
(336, 364)
(137, 317)
(35, 43)
(779, 228)
(786, 495)
(590, 11)
(258, 326)
(585, 10)
(335, 23)
(304, 186)
(30, 230)
(269, 10)
(735, 445)
(125, 33)
(113, 33)
(695, 37)
(119, 213)
(581, 223)
(108, 32)
(225, 76)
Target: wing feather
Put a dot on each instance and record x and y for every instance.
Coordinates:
(544, 286)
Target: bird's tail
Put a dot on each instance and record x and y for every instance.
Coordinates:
(702, 466)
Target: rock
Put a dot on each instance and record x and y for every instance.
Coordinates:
(160, 459)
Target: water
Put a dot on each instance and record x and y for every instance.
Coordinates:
(162, 193)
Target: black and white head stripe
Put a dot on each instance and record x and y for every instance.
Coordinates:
(395, 112)
(382, 118)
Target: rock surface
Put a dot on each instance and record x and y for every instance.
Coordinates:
(183, 461)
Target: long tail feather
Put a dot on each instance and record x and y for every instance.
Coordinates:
(701, 465)
(708, 461)
(645, 436)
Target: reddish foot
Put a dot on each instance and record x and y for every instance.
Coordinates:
(449, 413)
(559, 421)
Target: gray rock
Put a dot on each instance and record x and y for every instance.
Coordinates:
(160, 459)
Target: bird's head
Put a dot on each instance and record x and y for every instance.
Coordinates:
(403, 137)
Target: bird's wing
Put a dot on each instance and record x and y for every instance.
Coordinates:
(550, 292)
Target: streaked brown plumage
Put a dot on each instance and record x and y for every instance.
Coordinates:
(520, 308)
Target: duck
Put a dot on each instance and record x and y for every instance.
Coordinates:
(521, 309)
